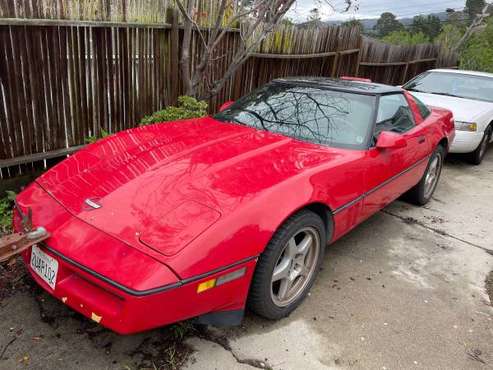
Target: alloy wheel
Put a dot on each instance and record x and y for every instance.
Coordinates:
(432, 175)
(295, 266)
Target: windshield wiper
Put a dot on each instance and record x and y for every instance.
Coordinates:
(238, 121)
(416, 90)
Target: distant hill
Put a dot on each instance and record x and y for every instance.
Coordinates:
(369, 23)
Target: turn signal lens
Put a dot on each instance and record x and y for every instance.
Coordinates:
(206, 285)
(466, 126)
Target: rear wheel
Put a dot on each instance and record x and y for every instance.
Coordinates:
(423, 191)
(477, 156)
(288, 267)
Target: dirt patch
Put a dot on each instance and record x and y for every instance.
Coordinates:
(489, 287)
(13, 278)
(166, 349)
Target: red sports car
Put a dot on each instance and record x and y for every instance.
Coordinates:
(205, 217)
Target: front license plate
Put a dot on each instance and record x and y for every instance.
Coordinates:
(45, 266)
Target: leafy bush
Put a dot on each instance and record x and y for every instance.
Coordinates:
(6, 204)
(92, 139)
(450, 35)
(406, 38)
(478, 53)
(188, 107)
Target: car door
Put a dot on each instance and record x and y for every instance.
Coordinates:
(390, 172)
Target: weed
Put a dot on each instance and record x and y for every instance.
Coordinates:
(6, 204)
(92, 139)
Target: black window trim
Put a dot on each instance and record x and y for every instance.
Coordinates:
(420, 103)
(372, 142)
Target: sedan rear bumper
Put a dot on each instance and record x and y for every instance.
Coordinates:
(127, 313)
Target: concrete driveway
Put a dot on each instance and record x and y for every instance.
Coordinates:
(405, 290)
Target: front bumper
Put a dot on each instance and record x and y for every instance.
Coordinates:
(118, 286)
(466, 142)
(126, 313)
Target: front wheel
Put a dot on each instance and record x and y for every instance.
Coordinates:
(477, 156)
(287, 268)
(423, 191)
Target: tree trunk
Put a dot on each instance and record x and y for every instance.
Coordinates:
(185, 52)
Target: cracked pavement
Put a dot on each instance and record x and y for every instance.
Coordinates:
(405, 290)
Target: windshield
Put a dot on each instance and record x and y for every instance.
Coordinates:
(453, 84)
(311, 114)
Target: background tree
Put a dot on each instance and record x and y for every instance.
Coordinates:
(256, 19)
(478, 52)
(455, 17)
(353, 23)
(474, 7)
(430, 25)
(386, 24)
(406, 38)
(450, 35)
(287, 21)
(478, 21)
(314, 15)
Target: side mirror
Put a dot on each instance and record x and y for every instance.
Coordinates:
(390, 140)
(226, 105)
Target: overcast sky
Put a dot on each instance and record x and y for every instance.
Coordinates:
(373, 8)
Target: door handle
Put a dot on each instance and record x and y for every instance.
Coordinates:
(421, 139)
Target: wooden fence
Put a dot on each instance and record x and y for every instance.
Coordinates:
(395, 65)
(133, 11)
(64, 80)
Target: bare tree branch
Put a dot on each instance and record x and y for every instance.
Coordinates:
(478, 21)
(256, 21)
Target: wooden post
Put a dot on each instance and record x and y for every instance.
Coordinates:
(335, 65)
(174, 55)
(404, 75)
(358, 61)
(358, 58)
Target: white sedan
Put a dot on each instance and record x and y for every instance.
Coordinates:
(469, 95)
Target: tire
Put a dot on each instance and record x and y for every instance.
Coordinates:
(423, 191)
(265, 297)
(477, 156)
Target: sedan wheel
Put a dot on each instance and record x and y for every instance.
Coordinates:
(477, 156)
(288, 266)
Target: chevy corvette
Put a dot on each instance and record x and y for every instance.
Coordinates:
(205, 217)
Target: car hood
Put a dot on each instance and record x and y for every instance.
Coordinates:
(466, 110)
(163, 185)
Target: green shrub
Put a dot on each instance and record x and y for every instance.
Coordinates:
(92, 139)
(478, 52)
(188, 107)
(406, 38)
(6, 204)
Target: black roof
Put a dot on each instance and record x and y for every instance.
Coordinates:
(358, 87)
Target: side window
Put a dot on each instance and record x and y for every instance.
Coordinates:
(423, 109)
(394, 114)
